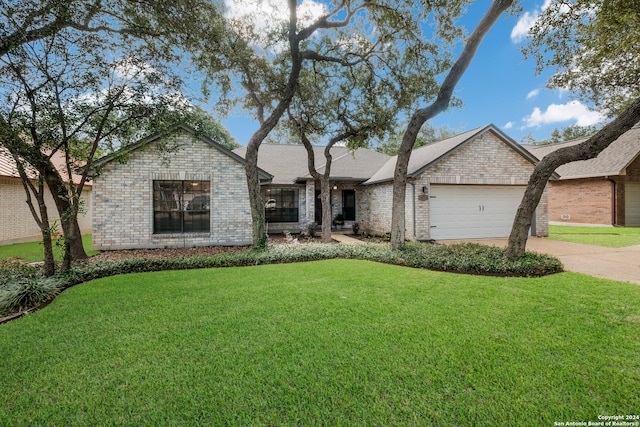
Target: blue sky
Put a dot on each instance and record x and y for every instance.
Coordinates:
(500, 86)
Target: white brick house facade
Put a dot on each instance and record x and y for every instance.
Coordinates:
(123, 195)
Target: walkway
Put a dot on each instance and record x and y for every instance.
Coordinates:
(345, 238)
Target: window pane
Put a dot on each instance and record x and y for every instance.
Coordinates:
(281, 205)
(167, 222)
(181, 206)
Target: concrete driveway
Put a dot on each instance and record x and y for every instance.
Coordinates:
(608, 263)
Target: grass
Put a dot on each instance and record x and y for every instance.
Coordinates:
(612, 237)
(33, 251)
(335, 342)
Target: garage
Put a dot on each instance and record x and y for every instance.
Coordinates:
(632, 204)
(472, 211)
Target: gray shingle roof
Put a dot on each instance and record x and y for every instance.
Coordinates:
(612, 161)
(288, 162)
(423, 157)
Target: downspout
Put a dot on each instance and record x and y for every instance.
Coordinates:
(413, 201)
(614, 210)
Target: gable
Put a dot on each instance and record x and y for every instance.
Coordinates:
(490, 141)
(487, 159)
(171, 144)
(179, 156)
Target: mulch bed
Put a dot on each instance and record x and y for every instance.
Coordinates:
(110, 256)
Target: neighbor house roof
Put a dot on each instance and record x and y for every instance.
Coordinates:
(137, 145)
(612, 161)
(288, 162)
(9, 169)
(424, 157)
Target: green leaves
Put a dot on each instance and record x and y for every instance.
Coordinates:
(593, 46)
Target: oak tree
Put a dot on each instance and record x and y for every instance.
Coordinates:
(78, 76)
(439, 103)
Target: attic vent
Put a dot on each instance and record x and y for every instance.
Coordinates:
(565, 216)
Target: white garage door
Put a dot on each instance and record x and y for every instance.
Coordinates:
(472, 211)
(632, 204)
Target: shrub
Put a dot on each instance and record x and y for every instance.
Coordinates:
(23, 287)
(27, 294)
(474, 258)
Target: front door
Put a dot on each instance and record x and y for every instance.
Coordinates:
(318, 208)
(349, 205)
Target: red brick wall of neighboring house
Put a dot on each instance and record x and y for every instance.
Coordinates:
(587, 201)
(633, 170)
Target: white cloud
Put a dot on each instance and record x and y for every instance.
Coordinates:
(524, 24)
(533, 93)
(556, 113)
(527, 20)
(509, 125)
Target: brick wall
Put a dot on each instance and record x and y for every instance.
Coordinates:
(123, 196)
(16, 222)
(586, 201)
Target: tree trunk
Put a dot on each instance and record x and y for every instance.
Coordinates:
(589, 149)
(49, 266)
(255, 197)
(41, 216)
(422, 115)
(325, 182)
(325, 194)
(68, 211)
(398, 218)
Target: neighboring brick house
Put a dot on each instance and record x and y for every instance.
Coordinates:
(193, 191)
(17, 224)
(600, 191)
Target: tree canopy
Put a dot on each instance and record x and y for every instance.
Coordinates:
(593, 45)
(403, 45)
(568, 133)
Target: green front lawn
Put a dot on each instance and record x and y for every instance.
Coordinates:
(612, 237)
(335, 342)
(34, 252)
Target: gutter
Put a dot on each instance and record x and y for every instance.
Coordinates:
(614, 199)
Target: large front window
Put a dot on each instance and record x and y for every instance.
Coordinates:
(181, 206)
(281, 205)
